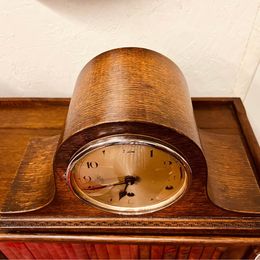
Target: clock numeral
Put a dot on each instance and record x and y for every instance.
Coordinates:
(151, 153)
(129, 151)
(92, 164)
(104, 151)
(87, 178)
(181, 171)
(167, 163)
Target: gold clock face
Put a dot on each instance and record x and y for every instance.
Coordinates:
(128, 175)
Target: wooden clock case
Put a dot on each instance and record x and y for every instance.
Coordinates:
(131, 91)
(33, 133)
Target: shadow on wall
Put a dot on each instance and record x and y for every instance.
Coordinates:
(84, 10)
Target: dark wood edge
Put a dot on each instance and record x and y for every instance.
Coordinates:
(66, 100)
(222, 100)
(132, 239)
(248, 134)
(27, 102)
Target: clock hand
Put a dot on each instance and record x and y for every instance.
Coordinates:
(129, 180)
(123, 193)
(104, 186)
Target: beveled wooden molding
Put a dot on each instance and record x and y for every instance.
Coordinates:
(165, 225)
(130, 239)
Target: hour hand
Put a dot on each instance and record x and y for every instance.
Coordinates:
(122, 194)
(129, 180)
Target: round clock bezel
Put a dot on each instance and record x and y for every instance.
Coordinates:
(127, 139)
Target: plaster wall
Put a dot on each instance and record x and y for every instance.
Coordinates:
(45, 43)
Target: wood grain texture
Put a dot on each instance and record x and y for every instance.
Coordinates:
(134, 91)
(231, 182)
(194, 217)
(129, 85)
(33, 186)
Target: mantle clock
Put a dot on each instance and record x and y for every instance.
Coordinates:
(130, 167)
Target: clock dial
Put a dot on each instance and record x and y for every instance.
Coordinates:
(128, 175)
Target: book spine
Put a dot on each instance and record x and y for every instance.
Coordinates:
(207, 252)
(170, 252)
(183, 252)
(101, 250)
(157, 251)
(91, 251)
(125, 251)
(134, 252)
(80, 251)
(113, 251)
(195, 252)
(144, 251)
(9, 250)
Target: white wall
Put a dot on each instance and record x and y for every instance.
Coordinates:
(45, 43)
(252, 104)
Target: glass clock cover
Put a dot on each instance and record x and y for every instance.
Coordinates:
(128, 174)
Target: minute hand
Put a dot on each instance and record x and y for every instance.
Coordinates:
(125, 180)
(104, 186)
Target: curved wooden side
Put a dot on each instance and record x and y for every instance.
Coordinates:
(131, 85)
(33, 186)
(231, 183)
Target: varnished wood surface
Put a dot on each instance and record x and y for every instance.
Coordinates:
(194, 214)
(231, 182)
(131, 85)
(33, 186)
(136, 91)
